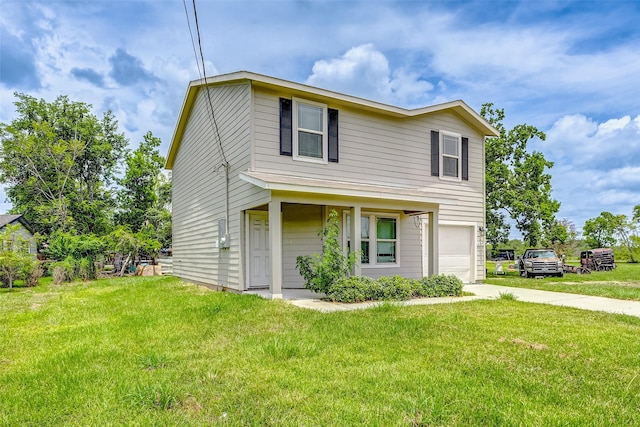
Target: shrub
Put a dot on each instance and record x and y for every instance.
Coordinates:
(394, 288)
(323, 270)
(439, 285)
(58, 274)
(86, 269)
(351, 289)
(33, 273)
(63, 271)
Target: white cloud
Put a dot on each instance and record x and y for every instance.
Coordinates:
(613, 125)
(585, 143)
(364, 71)
(597, 165)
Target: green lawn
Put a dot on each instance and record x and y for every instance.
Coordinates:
(621, 283)
(155, 351)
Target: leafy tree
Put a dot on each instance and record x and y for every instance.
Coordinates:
(517, 182)
(562, 237)
(79, 253)
(57, 160)
(140, 184)
(132, 245)
(600, 232)
(624, 229)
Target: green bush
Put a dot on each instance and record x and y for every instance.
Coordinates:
(86, 270)
(351, 289)
(32, 273)
(64, 271)
(321, 271)
(394, 288)
(439, 285)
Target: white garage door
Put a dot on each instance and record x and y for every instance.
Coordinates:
(455, 251)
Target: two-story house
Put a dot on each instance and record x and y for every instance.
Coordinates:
(259, 162)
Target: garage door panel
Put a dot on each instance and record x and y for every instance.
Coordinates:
(455, 251)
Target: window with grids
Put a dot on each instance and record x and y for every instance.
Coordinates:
(310, 133)
(451, 158)
(378, 238)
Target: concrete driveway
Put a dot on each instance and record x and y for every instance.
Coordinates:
(306, 299)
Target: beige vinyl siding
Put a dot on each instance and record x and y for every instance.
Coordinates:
(199, 187)
(409, 250)
(300, 226)
(378, 149)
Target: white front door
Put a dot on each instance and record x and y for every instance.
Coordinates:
(259, 262)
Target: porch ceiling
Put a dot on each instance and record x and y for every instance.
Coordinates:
(271, 181)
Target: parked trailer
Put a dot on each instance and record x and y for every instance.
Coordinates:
(575, 269)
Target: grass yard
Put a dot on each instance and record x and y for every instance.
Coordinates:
(156, 351)
(621, 283)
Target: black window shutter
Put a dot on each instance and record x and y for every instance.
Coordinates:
(333, 135)
(435, 153)
(465, 159)
(286, 135)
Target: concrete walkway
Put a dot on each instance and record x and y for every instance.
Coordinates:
(306, 299)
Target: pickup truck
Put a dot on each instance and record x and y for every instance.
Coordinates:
(540, 262)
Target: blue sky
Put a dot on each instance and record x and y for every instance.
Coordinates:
(570, 68)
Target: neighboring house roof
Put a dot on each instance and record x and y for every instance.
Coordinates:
(328, 96)
(10, 219)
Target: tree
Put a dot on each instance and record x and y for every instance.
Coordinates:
(561, 236)
(600, 232)
(517, 182)
(139, 198)
(608, 229)
(624, 230)
(57, 160)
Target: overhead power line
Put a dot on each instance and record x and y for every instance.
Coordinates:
(200, 59)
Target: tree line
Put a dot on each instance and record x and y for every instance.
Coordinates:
(73, 177)
(518, 187)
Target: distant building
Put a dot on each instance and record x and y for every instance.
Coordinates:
(25, 230)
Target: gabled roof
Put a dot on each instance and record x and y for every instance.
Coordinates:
(10, 219)
(302, 90)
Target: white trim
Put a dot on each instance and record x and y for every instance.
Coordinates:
(248, 227)
(336, 188)
(474, 244)
(373, 241)
(442, 155)
(325, 131)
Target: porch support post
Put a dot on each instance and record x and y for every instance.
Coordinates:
(434, 254)
(356, 237)
(275, 248)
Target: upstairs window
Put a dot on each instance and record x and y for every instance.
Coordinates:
(310, 136)
(450, 159)
(449, 155)
(308, 131)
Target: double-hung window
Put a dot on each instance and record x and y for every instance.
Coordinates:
(378, 238)
(310, 131)
(450, 159)
(449, 155)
